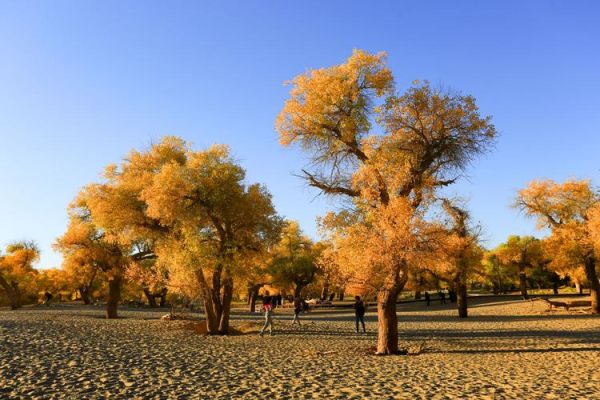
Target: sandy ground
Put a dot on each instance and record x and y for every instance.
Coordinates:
(505, 349)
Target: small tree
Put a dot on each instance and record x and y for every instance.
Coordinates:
(84, 244)
(461, 253)
(294, 259)
(522, 254)
(494, 272)
(16, 268)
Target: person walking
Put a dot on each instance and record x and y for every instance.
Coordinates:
(359, 313)
(48, 297)
(267, 307)
(428, 299)
(297, 310)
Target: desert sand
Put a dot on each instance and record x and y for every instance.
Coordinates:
(507, 348)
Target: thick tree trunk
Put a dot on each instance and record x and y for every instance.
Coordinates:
(298, 290)
(253, 296)
(212, 321)
(578, 288)
(592, 276)
(555, 287)
(253, 299)
(461, 297)
(325, 290)
(523, 283)
(387, 320)
(341, 295)
(226, 306)
(114, 295)
(84, 292)
(151, 298)
(418, 295)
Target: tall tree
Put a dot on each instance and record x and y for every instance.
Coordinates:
(429, 137)
(569, 210)
(16, 267)
(190, 209)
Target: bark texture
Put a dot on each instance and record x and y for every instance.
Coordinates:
(592, 276)
(114, 296)
(523, 282)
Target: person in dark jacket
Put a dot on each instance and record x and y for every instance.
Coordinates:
(297, 310)
(359, 313)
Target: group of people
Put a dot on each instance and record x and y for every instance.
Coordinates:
(441, 295)
(300, 305)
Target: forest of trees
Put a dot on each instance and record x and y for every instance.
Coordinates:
(173, 223)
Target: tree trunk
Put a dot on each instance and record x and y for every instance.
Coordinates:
(495, 288)
(523, 282)
(341, 295)
(461, 292)
(592, 276)
(163, 297)
(114, 295)
(325, 291)
(298, 290)
(151, 298)
(212, 321)
(84, 292)
(578, 288)
(253, 296)
(226, 306)
(418, 295)
(387, 320)
(555, 287)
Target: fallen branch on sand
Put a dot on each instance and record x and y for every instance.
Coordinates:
(564, 304)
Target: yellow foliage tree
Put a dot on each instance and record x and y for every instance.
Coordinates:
(294, 259)
(16, 270)
(193, 211)
(570, 211)
(85, 244)
(521, 254)
(460, 254)
(428, 137)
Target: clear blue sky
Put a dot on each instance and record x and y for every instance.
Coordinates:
(83, 82)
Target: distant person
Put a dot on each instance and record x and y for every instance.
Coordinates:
(442, 297)
(428, 299)
(305, 306)
(48, 297)
(359, 313)
(331, 296)
(297, 310)
(267, 307)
